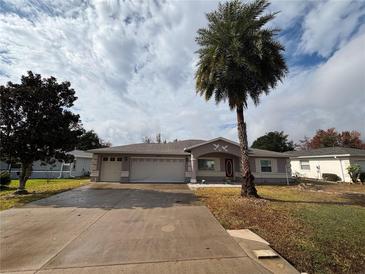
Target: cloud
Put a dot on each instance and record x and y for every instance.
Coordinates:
(329, 95)
(132, 65)
(329, 25)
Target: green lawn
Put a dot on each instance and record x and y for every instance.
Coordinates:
(320, 229)
(38, 189)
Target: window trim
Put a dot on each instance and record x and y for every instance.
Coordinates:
(301, 165)
(269, 166)
(207, 169)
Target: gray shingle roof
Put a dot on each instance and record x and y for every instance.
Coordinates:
(328, 151)
(81, 153)
(175, 148)
(266, 153)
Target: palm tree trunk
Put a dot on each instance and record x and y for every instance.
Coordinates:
(24, 175)
(248, 185)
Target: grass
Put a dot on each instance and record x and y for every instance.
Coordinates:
(38, 189)
(319, 229)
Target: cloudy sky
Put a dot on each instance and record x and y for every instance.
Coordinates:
(132, 65)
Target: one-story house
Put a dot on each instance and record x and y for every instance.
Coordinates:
(216, 160)
(78, 168)
(313, 163)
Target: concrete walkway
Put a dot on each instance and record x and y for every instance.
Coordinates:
(113, 228)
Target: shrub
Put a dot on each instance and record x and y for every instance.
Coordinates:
(4, 178)
(330, 177)
(354, 172)
(362, 177)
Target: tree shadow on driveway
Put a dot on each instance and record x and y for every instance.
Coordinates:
(123, 197)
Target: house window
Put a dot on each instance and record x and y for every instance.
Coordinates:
(105, 159)
(119, 159)
(265, 165)
(304, 164)
(204, 164)
(112, 159)
(74, 166)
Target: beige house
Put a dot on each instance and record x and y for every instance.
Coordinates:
(216, 160)
(313, 163)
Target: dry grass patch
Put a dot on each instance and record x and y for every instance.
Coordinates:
(318, 230)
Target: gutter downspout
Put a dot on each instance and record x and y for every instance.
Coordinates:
(342, 174)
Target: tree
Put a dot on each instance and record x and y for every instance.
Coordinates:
(147, 140)
(239, 59)
(351, 139)
(325, 138)
(90, 140)
(158, 138)
(36, 122)
(331, 138)
(274, 141)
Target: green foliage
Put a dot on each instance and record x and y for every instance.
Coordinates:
(238, 57)
(90, 140)
(4, 178)
(36, 122)
(331, 138)
(354, 172)
(274, 141)
(331, 177)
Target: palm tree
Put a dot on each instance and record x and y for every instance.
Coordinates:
(239, 59)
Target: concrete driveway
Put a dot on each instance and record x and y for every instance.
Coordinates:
(113, 228)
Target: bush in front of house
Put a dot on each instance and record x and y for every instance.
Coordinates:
(362, 177)
(354, 172)
(330, 177)
(4, 178)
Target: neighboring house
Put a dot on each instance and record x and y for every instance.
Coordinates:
(78, 168)
(215, 160)
(313, 163)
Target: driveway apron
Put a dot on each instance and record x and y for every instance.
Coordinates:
(113, 228)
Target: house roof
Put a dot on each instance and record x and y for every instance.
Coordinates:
(172, 148)
(327, 151)
(179, 148)
(80, 153)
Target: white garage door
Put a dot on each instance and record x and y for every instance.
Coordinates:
(162, 170)
(111, 169)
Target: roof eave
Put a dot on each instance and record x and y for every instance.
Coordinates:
(188, 149)
(324, 156)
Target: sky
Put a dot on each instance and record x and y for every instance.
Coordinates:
(132, 64)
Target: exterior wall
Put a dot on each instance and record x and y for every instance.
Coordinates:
(95, 168)
(220, 150)
(278, 174)
(318, 166)
(53, 171)
(219, 174)
(81, 167)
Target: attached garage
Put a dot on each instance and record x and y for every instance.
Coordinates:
(111, 167)
(149, 169)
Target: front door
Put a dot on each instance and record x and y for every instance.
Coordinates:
(229, 167)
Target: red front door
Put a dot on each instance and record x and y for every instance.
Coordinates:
(229, 167)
